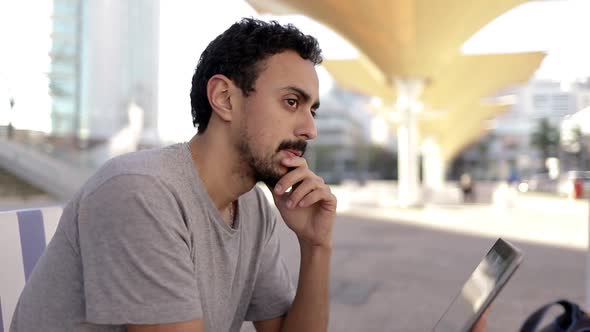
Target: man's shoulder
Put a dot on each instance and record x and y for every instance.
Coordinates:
(159, 164)
(147, 161)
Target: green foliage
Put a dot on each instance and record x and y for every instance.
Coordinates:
(375, 160)
(577, 143)
(382, 161)
(545, 138)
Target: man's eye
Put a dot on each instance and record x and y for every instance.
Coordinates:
(292, 102)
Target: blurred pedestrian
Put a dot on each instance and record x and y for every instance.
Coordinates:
(467, 188)
(10, 127)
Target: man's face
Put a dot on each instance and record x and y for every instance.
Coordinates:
(276, 119)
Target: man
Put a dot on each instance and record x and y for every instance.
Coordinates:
(179, 238)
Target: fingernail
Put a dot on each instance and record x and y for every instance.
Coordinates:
(302, 204)
(278, 189)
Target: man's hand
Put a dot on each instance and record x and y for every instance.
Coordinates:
(309, 208)
(481, 325)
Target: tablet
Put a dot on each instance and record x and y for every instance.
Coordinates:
(484, 284)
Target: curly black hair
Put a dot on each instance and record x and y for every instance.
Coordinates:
(239, 53)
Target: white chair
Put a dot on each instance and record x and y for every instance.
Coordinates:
(24, 235)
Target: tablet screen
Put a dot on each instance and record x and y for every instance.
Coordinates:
(480, 289)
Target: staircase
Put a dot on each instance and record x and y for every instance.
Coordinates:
(42, 171)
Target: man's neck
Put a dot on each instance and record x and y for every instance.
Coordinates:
(216, 162)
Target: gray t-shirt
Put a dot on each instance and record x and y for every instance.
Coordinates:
(143, 243)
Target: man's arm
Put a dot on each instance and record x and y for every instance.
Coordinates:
(482, 323)
(309, 210)
(310, 310)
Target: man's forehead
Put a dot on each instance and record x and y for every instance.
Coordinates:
(288, 69)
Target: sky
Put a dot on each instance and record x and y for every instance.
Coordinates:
(559, 28)
(24, 62)
(187, 26)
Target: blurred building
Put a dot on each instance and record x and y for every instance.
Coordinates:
(337, 152)
(507, 148)
(104, 58)
(579, 120)
(575, 140)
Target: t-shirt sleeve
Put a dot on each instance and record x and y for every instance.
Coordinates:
(273, 291)
(136, 254)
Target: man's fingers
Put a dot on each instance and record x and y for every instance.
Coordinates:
(294, 162)
(481, 324)
(304, 188)
(299, 173)
(307, 188)
(321, 194)
(290, 179)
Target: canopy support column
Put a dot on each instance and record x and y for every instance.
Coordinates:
(433, 165)
(408, 106)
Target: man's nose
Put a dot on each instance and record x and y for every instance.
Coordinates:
(307, 129)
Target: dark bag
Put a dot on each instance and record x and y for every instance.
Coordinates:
(573, 319)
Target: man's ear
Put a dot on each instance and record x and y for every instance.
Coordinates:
(219, 93)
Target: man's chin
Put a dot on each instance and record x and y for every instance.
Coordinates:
(272, 178)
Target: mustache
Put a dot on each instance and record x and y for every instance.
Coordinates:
(299, 145)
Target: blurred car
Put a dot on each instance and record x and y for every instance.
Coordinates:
(574, 184)
(540, 182)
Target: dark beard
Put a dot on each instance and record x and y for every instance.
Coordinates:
(263, 169)
(265, 172)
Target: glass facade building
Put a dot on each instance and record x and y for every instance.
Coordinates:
(64, 74)
(104, 58)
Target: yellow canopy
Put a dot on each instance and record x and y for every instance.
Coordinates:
(404, 38)
(454, 133)
(467, 77)
(361, 75)
(451, 92)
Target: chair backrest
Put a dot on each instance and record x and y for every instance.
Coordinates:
(23, 237)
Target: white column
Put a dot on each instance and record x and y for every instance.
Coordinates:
(408, 106)
(433, 165)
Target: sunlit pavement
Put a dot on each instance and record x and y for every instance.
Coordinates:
(397, 269)
(537, 218)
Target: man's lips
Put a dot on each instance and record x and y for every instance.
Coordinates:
(293, 153)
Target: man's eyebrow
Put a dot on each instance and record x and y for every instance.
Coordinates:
(304, 95)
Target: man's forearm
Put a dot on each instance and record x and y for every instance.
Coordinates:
(311, 308)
